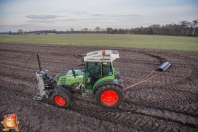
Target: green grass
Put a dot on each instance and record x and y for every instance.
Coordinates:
(134, 41)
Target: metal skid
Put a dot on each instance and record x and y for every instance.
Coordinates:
(41, 75)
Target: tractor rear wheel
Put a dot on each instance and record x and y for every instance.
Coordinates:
(109, 95)
(61, 99)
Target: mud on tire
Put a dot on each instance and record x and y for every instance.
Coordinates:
(109, 95)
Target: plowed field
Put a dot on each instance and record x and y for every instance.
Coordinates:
(168, 102)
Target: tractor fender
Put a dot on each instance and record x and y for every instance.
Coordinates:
(116, 82)
(64, 91)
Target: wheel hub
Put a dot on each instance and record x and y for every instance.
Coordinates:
(109, 97)
(60, 100)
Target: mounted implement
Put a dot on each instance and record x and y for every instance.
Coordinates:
(97, 78)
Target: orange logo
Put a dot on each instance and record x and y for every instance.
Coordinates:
(10, 122)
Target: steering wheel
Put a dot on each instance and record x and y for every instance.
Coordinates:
(93, 73)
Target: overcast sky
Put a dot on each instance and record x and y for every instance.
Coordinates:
(79, 14)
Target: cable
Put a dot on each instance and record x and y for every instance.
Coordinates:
(147, 78)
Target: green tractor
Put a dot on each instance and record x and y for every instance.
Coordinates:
(96, 78)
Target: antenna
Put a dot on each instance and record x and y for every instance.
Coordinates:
(39, 61)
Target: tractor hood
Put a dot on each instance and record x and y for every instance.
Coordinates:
(67, 78)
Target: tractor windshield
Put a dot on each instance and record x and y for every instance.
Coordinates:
(96, 70)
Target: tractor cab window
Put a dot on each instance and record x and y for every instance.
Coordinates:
(106, 69)
(96, 70)
(93, 73)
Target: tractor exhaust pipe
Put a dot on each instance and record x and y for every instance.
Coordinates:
(164, 66)
(39, 61)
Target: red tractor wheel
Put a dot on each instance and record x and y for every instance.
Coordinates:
(109, 95)
(61, 99)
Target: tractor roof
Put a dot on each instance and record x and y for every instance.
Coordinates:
(102, 56)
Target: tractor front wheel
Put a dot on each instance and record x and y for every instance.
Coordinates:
(109, 95)
(61, 99)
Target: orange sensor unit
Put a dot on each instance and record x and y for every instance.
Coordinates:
(103, 52)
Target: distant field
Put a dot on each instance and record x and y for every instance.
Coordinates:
(134, 41)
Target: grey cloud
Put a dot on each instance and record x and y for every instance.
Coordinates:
(42, 16)
(41, 21)
(114, 15)
(103, 14)
(80, 19)
(79, 12)
(71, 19)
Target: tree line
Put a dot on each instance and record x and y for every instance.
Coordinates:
(184, 28)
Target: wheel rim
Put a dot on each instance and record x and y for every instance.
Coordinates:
(60, 100)
(109, 97)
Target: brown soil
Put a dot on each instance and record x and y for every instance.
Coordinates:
(168, 102)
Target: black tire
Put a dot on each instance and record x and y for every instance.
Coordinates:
(61, 99)
(109, 95)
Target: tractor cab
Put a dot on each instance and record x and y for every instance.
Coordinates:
(99, 68)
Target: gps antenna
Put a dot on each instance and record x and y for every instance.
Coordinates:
(39, 61)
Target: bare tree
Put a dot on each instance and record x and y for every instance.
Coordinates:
(194, 25)
(9, 32)
(90, 30)
(109, 30)
(72, 30)
(86, 29)
(97, 29)
(54, 31)
(20, 31)
(156, 28)
(184, 24)
(189, 24)
(103, 30)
